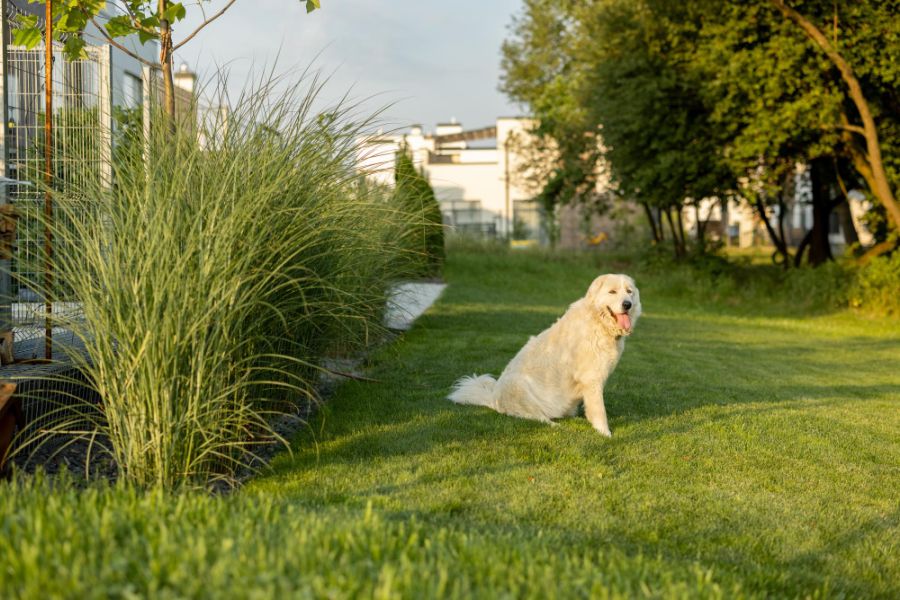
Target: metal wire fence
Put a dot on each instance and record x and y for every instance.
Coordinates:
(82, 156)
(82, 150)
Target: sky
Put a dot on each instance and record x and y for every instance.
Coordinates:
(426, 61)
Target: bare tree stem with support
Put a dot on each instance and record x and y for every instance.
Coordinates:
(872, 157)
(167, 48)
(165, 61)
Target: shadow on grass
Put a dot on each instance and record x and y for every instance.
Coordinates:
(717, 543)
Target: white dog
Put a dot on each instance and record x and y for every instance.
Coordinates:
(566, 364)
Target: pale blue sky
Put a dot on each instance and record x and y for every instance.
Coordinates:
(434, 59)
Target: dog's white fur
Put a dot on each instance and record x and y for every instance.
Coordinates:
(566, 364)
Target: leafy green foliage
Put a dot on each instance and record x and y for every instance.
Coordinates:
(69, 22)
(414, 194)
(698, 98)
(644, 89)
(26, 32)
(876, 285)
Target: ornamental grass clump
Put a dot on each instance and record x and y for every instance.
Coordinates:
(215, 273)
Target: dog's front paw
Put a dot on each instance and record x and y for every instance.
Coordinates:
(603, 430)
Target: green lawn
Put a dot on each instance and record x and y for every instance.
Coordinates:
(755, 452)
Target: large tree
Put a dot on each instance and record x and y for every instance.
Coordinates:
(773, 108)
(783, 102)
(866, 18)
(702, 97)
(542, 71)
(608, 69)
(644, 89)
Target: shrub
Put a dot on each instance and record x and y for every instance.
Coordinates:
(212, 278)
(877, 285)
(873, 288)
(413, 193)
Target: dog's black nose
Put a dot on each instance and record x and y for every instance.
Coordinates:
(627, 304)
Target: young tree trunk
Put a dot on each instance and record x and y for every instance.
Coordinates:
(819, 246)
(777, 241)
(165, 61)
(48, 177)
(659, 224)
(681, 236)
(804, 245)
(851, 237)
(782, 210)
(676, 241)
(653, 229)
(701, 228)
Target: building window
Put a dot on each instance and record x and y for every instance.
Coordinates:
(132, 91)
(467, 217)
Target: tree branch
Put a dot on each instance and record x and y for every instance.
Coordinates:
(121, 47)
(854, 128)
(203, 24)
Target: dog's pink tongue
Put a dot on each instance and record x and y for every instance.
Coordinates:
(624, 321)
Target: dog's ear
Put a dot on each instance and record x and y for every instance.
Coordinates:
(597, 285)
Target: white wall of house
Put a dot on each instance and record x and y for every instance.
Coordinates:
(469, 179)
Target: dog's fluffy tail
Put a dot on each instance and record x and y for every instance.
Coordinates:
(474, 389)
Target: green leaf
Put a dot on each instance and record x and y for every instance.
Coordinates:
(151, 22)
(145, 37)
(22, 21)
(28, 37)
(312, 5)
(174, 13)
(119, 26)
(72, 21)
(74, 48)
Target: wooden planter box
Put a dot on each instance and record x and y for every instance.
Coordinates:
(10, 418)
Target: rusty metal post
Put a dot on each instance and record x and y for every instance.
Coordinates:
(48, 180)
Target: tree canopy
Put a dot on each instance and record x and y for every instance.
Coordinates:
(703, 98)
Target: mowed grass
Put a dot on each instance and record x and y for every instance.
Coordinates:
(755, 452)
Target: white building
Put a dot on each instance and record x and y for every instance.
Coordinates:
(471, 171)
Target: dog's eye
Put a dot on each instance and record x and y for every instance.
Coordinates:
(612, 291)
(629, 291)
